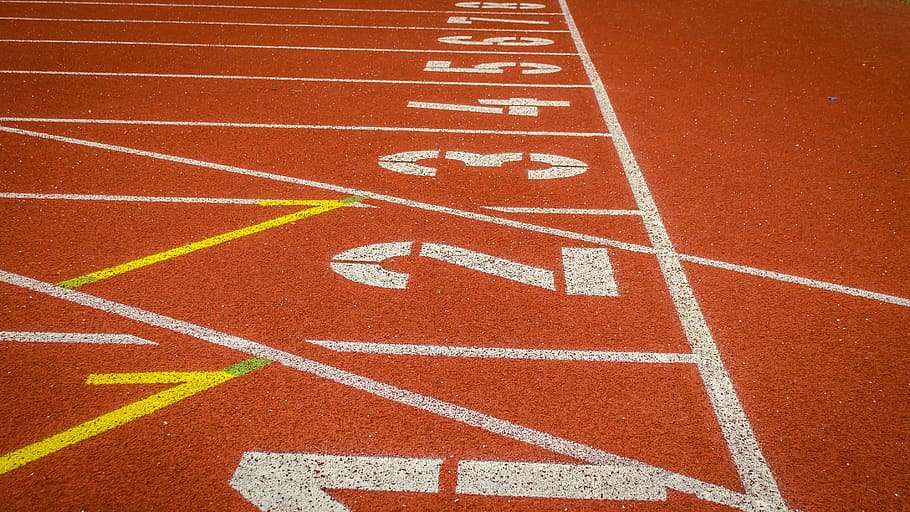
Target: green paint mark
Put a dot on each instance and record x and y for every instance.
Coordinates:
(77, 281)
(244, 367)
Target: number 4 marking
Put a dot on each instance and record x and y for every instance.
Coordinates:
(511, 106)
(530, 68)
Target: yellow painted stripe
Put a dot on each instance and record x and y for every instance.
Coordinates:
(192, 383)
(320, 207)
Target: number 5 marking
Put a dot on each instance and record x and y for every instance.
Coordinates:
(530, 68)
(586, 271)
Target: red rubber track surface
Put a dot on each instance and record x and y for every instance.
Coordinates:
(771, 136)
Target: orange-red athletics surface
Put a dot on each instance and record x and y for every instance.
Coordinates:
(335, 255)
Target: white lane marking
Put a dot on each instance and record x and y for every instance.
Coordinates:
(528, 107)
(283, 79)
(404, 349)
(810, 283)
(804, 281)
(265, 25)
(550, 480)
(268, 7)
(275, 47)
(560, 211)
(279, 126)
(588, 271)
(73, 337)
(469, 20)
(152, 199)
(291, 482)
(547, 441)
(753, 468)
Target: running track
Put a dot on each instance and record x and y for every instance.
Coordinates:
(347, 256)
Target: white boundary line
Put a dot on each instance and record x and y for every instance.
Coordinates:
(505, 428)
(281, 47)
(271, 25)
(779, 276)
(753, 468)
(405, 349)
(157, 199)
(282, 79)
(73, 337)
(281, 8)
(279, 126)
(560, 211)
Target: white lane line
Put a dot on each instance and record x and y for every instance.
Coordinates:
(804, 281)
(404, 349)
(277, 47)
(811, 283)
(283, 79)
(280, 126)
(505, 428)
(73, 337)
(265, 25)
(560, 211)
(276, 8)
(753, 468)
(160, 199)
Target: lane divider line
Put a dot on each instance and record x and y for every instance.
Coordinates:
(265, 25)
(571, 235)
(190, 76)
(324, 206)
(73, 337)
(189, 384)
(215, 124)
(275, 8)
(281, 47)
(171, 199)
(560, 211)
(404, 349)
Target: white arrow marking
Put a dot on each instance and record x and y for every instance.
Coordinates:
(74, 337)
(546, 480)
(291, 482)
(364, 264)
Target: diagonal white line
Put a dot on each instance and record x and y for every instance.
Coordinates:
(811, 283)
(545, 440)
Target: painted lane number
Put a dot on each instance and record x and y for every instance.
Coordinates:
(528, 68)
(586, 271)
(406, 162)
(528, 107)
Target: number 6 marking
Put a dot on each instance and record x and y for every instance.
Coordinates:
(586, 271)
